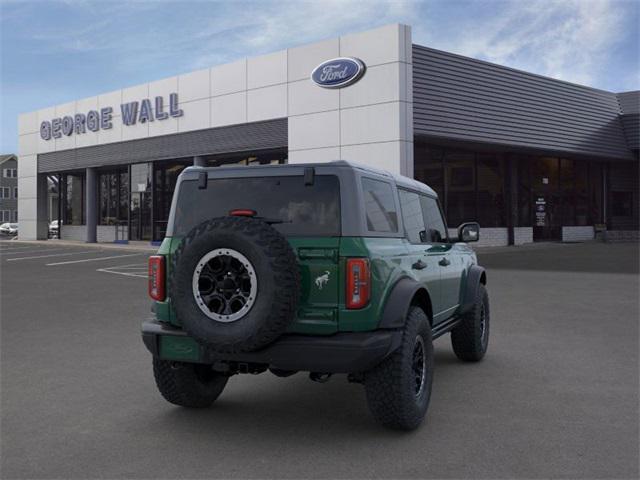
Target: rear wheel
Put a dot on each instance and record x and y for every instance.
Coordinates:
(470, 338)
(399, 389)
(188, 384)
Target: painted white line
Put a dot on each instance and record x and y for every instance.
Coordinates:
(21, 249)
(126, 274)
(52, 255)
(92, 259)
(22, 252)
(134, 266)
(129, 270)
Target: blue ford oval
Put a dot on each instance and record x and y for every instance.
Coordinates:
(338, 72)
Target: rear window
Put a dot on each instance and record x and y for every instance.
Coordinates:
(305, 210)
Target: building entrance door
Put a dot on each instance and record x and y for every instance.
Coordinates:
(546, 199)
(140, 220)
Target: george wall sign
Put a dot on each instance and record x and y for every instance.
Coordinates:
(338, 72)
(94, 120)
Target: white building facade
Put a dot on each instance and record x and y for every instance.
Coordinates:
(114, 157)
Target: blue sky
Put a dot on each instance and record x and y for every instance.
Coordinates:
(57, 51)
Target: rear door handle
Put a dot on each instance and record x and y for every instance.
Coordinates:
(419, 265)
(444, 262)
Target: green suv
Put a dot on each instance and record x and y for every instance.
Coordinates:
(324, 268)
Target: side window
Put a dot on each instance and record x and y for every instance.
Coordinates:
(436, 230)
(412, 216)
(379, 205)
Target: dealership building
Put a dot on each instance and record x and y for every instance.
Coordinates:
(530, 158)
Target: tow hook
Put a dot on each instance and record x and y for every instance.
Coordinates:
(320, 377)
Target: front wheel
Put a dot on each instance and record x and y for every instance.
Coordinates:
(188, 384)
(399, 389)
(470, 339)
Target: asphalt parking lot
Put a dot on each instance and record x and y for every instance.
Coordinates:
(556, 396)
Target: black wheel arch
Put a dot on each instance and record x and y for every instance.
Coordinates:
(405, 293)
(475, 276)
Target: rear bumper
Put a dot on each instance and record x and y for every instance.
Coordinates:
(347, 352)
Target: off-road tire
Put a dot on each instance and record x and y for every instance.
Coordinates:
(469, 339)
(391, 386)
(278, 280)
(188, 384)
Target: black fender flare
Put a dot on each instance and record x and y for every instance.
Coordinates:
(475, 276)
(398, 302)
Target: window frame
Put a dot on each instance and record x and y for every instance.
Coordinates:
(404, 224)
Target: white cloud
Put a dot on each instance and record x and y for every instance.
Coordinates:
(569, 40)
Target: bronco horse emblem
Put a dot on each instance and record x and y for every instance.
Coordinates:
(322, 280)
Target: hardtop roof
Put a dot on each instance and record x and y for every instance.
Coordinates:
(244, 170)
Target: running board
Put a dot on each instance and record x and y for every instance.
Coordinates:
(444, 327)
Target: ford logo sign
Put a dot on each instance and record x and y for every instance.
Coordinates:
(338, 73)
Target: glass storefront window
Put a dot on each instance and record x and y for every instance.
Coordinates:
(596, 188)
(581, 172)
(73, 199)
(112, 194)
(523, 165)
(428, 167)
(460, 187)
(491, 199)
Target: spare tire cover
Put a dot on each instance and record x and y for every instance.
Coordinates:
(234, 284)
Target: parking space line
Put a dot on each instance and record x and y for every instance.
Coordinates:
(92, 259)
(20, 249)
(126, 274)
(51, 255)
(39, 250)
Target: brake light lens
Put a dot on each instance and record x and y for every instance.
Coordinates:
(358, 283)
(242, 212)
(156, 277)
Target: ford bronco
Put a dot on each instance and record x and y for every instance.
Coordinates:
(325, 268)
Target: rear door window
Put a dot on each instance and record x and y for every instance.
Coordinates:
(380, 206)
(295, 208)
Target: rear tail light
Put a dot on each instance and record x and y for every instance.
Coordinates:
(156, 277)
(358, 284)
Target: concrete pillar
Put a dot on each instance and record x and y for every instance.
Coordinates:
(199, 162)
(42, 215)
(91, 207)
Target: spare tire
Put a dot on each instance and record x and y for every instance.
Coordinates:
(234, 284)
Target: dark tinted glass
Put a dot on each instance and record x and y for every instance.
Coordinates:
(436, 230)
(412, 216)
(380, 207)
(491, 199)
(461, 188)
(312, 210)
(73, 206)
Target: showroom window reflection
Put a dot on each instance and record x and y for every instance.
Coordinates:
(113, 195)
(73, 196)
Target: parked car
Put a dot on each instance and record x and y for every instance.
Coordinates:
(324, 268)
(9, 229)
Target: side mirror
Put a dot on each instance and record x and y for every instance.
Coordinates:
(469, 232)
